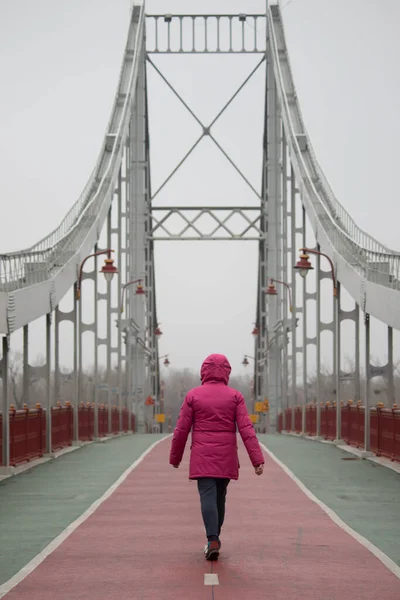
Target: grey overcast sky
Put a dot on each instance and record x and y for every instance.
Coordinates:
(59, 65)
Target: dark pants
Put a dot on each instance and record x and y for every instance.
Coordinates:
(212, 499)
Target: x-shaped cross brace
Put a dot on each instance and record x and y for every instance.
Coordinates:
(206, 130)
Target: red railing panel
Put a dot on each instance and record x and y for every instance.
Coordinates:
(103, 421)
(384, 426)
(308, 420)
(19, 436)
(36, 433)
(374, 430)
(385, 432)
(288, 419)
(358, 427)
(324, 421)
(346, 420)
(351, 436)
(61, 427)
(330, 422)
(280, 423)
(298, 417)
(125, 420)
(114, 420)
(27, 435)
(396, 435)
(389, 433)
(86, 423)
(311, 420)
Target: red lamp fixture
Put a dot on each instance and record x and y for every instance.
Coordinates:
(303, 265)
(271, 289)
(255, 331)
(139, 289)
(245, 362)
(166, 362)
(109, 269)
(157, 331)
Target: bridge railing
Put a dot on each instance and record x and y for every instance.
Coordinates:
(45, 258)
(372, 259)
(384, 426)
(28, 429)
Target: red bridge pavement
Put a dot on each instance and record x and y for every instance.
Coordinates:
(145, 542)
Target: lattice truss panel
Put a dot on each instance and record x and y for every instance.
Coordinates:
(207, 34)
(206, 223)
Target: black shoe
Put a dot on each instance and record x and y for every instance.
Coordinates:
(211, 550)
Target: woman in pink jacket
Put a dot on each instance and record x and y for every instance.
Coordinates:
(212, 411)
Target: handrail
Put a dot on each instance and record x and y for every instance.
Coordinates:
(12, 265)
(362, 253)
(352, 227)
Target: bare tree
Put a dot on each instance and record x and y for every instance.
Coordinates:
(15, 378)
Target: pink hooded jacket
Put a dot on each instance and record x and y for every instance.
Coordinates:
(212, 411)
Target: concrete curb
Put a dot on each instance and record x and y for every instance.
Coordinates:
(23, 468)
(384, 462)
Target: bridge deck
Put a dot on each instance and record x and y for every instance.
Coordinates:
(144, 541)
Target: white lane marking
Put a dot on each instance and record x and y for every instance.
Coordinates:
(39, 558)
(211, 579)
(386, 560)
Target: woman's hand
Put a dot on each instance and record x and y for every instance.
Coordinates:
(259, 470)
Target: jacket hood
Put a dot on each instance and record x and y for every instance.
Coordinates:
(215, 368)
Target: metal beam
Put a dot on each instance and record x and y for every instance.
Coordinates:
(250, 229)
(202, 34)
(273, 199)
(138, 246)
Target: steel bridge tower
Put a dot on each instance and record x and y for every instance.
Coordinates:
(212, 35)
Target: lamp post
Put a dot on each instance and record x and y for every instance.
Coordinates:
(166, 364)
(108, 270)
(255, 333)
(303, 266)
(162, 388)
(154, 332)
(271, 291)
(160, 407)
(245, 362)
(166, 359)
(253, 390)
(139, 291)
